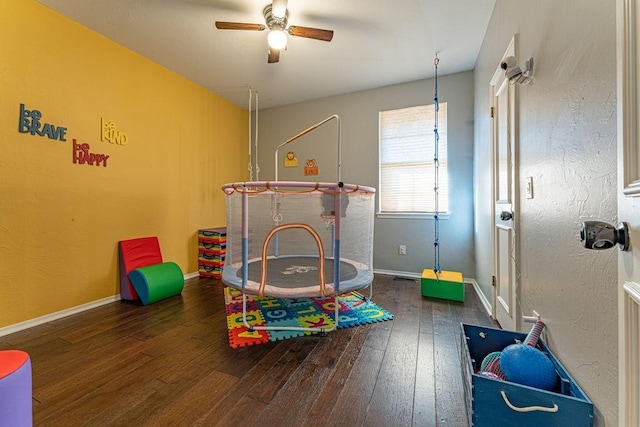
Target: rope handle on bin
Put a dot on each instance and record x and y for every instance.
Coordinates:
(527, 408)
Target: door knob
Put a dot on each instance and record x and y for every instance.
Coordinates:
(600, 235)
(506, 215)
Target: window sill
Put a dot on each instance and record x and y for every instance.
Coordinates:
(410, 215)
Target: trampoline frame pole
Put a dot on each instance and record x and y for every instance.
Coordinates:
(336, 238)
(245, 239)
(306, 131)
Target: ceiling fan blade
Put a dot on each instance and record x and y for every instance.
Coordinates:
(311, 33)
(274, 56)
(221, 25)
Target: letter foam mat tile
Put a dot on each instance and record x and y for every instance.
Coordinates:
(307, 312)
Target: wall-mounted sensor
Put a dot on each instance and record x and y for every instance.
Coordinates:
(514, 73)
(601, 235)
(509, 62)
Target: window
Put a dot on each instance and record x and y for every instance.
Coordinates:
(407, 169)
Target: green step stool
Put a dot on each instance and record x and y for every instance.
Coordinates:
(445, 285)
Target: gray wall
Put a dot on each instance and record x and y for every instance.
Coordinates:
(358, 112)
(568, 145)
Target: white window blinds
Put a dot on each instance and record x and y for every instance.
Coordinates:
(407, 169)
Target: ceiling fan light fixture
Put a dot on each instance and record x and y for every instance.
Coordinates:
(276, 18)
(277, 39)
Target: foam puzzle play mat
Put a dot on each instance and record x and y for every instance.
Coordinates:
(317, 312)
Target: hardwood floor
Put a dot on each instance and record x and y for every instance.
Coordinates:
(169, 363)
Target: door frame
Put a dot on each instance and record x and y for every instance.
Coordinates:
(628, 95)
(494, 85)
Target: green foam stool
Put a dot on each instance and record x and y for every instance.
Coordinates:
(158, 281)
(445, 285)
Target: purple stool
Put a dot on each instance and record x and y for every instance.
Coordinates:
(16, 407)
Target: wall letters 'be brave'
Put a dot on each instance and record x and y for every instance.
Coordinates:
(30, 123)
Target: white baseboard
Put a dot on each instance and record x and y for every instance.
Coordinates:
(67, 312)
(407, 274)
(191, 275)
(483, 298)
(57, 315)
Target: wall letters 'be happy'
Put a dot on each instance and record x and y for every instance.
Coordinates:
(81, 155)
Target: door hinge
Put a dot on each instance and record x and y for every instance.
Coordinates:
(493, 281)
(492, 112)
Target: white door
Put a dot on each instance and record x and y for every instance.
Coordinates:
(629, 212)
(505, 248)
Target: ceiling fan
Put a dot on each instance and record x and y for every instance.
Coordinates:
(276, 17)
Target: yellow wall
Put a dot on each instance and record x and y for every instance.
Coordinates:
(60, 222)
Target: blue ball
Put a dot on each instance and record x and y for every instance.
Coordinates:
(527, 365)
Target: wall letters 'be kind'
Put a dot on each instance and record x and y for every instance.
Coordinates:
(30, 123)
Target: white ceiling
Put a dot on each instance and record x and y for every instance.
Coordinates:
(375, 43)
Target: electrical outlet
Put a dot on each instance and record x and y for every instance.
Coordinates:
(402, 249)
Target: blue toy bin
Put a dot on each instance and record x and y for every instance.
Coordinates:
(493, 402)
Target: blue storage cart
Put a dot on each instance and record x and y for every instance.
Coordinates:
(493, 402)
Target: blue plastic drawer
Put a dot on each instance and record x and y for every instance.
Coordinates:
(492, 402)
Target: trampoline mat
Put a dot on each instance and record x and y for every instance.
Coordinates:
(297, 271)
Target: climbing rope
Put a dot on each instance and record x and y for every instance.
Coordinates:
(436, 163)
